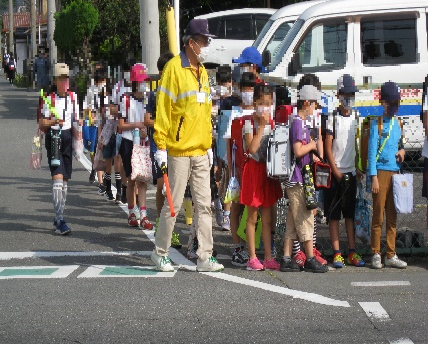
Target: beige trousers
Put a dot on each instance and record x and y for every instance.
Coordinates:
(197, 171)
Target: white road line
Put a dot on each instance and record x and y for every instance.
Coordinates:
(380, 283)
(375, 311)
(401, 341)
(62, 271)
(94, 271)
(45, 254)
(182, 261)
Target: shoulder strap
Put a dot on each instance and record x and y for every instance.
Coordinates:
(53, 99)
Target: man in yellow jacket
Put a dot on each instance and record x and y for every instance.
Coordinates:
(183, 128)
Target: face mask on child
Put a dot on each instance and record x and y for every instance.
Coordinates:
(143, 87)
(261, 110)
(222, 91)
(247, 98)
(62, 85)
(347, 102)
(127, 76)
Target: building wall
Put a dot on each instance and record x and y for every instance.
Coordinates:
(21, 54)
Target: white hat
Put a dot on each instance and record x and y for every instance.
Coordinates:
(309, 92)
(61, 69)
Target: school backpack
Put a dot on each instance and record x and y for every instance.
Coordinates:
(52, 101)
(11, 64)
(282, 113)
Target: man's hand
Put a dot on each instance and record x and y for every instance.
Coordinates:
(210, 157)
(161, 157)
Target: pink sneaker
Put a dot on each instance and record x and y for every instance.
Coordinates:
(254, 264)
(317, 255)
(271, 265)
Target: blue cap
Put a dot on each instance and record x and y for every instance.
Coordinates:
(346, 84)
(198, 27)
(250, 55)
(390, 92)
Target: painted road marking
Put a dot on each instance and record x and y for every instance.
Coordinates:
(36, 271)
(380, 283)
(375, 311)
(124, 271)
(401, 341)
(44, 254)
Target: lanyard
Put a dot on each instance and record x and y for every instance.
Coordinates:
(386, 139)
(198, 79)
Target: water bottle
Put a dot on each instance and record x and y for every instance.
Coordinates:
(55, 146)
(309, 187)
(136, 136)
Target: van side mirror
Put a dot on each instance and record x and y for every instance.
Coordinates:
(294, 66)
(266, 58)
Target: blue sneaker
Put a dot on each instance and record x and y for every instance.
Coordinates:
(338, 261)
(62, 228)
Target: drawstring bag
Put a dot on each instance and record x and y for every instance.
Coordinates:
(233, 190)
(141, 164)
(35, 161)
(402, 188)
(362, 216)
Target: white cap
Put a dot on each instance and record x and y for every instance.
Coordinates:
(309, 92)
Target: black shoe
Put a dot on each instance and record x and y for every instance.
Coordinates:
(109, 196)
(239, 258)
(92, 177)
(101, 189)
(312, 265)
(289, 265)
(123, 198)
(118, 199)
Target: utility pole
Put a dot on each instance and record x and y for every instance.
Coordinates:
(33, 29)
(149, 34)
(51, 30)
(11, 26)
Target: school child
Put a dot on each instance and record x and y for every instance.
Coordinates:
(259, 191)
(247, 84)
(149, 122)
(11, 68)
(341, 153)
(122, 86)
(132, 109)
(6, 57)
(383, 163)
(424, 118)
(251, 61)
(300, 220)
(64, 104)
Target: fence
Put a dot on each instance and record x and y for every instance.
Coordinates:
(412, 230)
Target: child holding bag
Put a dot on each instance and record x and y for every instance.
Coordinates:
(257, 189)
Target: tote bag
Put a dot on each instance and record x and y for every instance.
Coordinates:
(402, 187)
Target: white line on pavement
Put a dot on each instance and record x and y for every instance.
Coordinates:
(380, 283)
(45, 254)
(61, 271)
(375, 311)
(401, 341)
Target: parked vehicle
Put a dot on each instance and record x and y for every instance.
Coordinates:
(235, 30)
(374, 41)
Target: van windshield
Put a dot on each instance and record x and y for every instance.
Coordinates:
(282, 48)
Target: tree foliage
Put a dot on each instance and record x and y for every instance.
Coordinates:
(74, 25)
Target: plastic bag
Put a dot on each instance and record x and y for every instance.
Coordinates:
(362, 215)
(35, 160)
(141, 164)
(233, 190)
(77, 141)
(99, 162)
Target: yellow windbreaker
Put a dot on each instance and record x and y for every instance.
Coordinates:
(182, 124)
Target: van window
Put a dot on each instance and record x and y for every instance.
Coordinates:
(385, 42)
(262, 33)
(260, 21)
(323, 48)
(213, 25)
(238, 27)
(278, 37)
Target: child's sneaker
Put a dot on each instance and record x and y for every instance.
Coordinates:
(109, 196)
(175, 241)
(239, 258)
(101, 189)
(145, 224)
(289, 265)
(338, 261)
(313, 265)
(376, 261)
(355, 259)
(132, 220)
(395, 262)
(254, 264)
(62, 228)
(317, 255)
(226, 223)
(271, 265)
(300, 259)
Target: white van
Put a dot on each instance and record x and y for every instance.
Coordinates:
(279, 24)
(374, 41)
(235, 30)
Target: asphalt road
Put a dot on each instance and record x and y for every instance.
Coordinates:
(98, 285)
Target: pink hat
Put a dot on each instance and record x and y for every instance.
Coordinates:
(139, 73)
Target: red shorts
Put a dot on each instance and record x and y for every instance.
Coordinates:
(257, 190)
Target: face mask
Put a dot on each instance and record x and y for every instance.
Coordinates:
(260, 110)
(203, 54)
(247, 98)
(222, 91)
(245, 70)
(127, 76)
(100, 87)
(62, 85)
(392, 109)
(347, 102)
(143, 87)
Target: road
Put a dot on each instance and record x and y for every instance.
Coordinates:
(98, 284)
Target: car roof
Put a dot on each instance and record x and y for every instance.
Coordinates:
(294, 9)
(237, 11)
(349, 6)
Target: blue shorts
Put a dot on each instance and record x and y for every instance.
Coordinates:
(66, 157)
(90, 137)
(109, 150)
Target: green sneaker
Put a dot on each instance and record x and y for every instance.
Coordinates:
(175, 240)
(162, 263)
